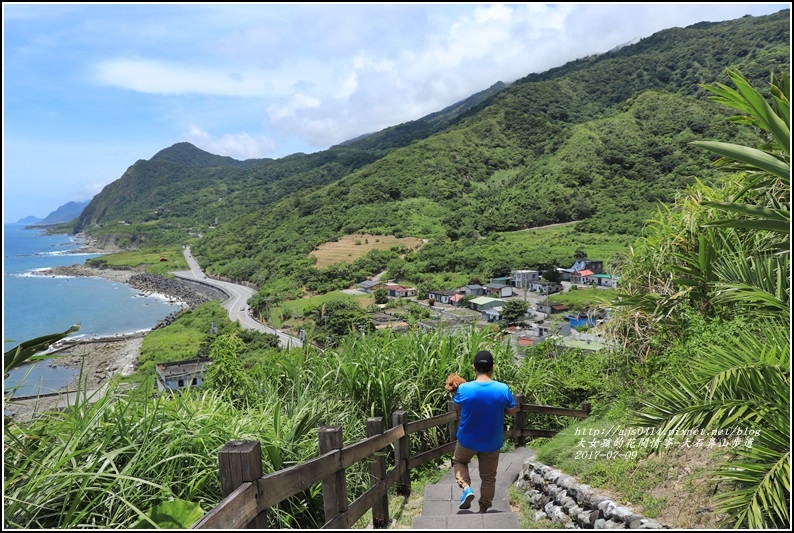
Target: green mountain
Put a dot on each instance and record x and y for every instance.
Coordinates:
(65, 213)
(602, 140)
(190, 187)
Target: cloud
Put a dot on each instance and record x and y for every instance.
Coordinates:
(380, 87)
(366, 85)
(239, 146)
(170, 78)
(325, 74)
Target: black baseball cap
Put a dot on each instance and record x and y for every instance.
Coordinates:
(483, 361)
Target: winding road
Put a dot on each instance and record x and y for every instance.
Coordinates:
(236, 303)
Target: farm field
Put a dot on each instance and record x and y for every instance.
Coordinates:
(351, 247)
(156, 261)
(599, 246)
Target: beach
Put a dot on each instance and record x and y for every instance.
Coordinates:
(99, 360)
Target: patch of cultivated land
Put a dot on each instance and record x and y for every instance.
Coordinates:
(351, 247)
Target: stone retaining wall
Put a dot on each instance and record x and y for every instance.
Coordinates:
(558, 497)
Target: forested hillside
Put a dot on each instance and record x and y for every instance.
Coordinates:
(602, 140)
(698, 361)
(183, 186)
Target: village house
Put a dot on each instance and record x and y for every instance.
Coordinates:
(565, 273)
(582, 264)
(455, 299)
(493, 314)
(545, 287)
(522, 278)
(597, 267)
(485, 302)
(498, 290)
(441, 296)
(400, 291)
(541, 332)
(549, 327)
(473, 290)
(603, 280)
(369, 285)
(550, 308)
(181, 374)
(580, 277)
(490, 308)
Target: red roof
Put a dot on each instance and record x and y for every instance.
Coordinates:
(586, 272)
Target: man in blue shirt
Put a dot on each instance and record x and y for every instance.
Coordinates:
(483, 403)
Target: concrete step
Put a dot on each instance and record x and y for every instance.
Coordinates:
(440, 506)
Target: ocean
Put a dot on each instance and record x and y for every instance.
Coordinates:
(36, 305)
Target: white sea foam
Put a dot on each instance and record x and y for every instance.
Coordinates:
(91, 337)
(65, 252)
(40, 272)
(159, 296)
(44, 272)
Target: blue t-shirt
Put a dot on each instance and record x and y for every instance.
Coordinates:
(483, 405)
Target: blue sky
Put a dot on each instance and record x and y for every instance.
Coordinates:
(88, 89)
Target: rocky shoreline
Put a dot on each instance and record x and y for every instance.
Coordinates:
(101, 359)
(189, 295)
(98, 360)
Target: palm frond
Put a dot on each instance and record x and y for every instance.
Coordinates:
(754, 158)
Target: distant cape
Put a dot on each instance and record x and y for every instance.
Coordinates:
(65, 213)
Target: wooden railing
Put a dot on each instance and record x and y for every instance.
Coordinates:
(247, 494)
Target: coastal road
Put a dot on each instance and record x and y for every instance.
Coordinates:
(236, 303)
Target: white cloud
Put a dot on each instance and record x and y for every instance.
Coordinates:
(378, 88)
(268, 80)
(168, 78)
(299, 102)
(239, 146)
(316, 80)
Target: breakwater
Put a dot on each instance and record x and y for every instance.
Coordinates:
(192, 294)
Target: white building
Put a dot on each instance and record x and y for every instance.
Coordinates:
(181, 374)
(522, 278)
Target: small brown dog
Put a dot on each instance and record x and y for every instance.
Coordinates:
(452, 383)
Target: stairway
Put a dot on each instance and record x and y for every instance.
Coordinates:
(440, 506)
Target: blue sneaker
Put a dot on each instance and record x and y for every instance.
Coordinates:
(466, 498)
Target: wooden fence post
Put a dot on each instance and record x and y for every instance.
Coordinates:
(240, 461)
(402, 451)
(519, 423)
(452, 427)
(585, 406)
(377, 472)
(335, 485)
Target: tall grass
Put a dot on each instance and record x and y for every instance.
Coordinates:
(105, 464)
